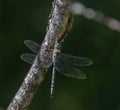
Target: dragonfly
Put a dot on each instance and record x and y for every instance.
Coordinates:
(65, 64)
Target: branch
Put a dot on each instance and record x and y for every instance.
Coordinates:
(58, 23)
(89, 13)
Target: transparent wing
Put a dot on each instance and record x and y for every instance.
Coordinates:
(33, 46)
(27, 57)
(77, 61)
(69, 70)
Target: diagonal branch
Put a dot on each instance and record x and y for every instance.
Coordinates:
(58, 24)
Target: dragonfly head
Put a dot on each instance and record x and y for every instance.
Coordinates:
(58, 46)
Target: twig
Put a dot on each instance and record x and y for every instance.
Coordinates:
(58, 22)
(89, 13)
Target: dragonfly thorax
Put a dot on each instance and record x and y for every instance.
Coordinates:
(56, 51)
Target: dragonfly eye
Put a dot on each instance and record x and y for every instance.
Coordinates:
(58, 46)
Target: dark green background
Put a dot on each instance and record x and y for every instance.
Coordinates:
(27, 19)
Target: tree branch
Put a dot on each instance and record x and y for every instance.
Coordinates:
(58, 23)
(89, 13)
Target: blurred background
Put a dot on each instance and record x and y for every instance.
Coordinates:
(98, 39)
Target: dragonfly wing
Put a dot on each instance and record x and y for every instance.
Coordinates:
(27, 57)
(69, 70)
(33, 46)
(77, 61)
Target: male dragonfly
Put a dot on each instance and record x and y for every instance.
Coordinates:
(64, 63)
